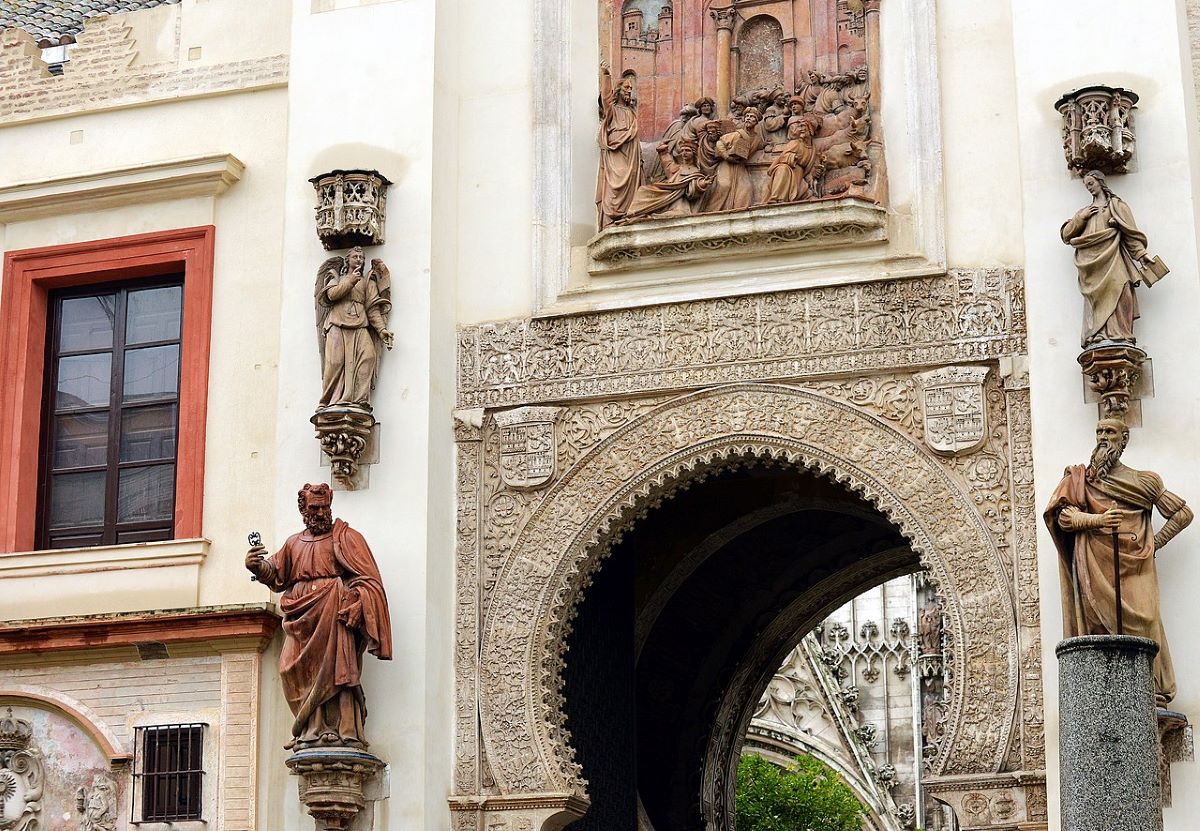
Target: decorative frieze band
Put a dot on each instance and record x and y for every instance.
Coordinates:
(964, 316)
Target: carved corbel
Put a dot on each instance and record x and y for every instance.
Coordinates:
(1098, 128)
(334, 784)
(1117, 376)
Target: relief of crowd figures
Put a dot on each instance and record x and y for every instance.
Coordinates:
(772, 146)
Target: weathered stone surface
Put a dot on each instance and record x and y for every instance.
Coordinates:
(1108, 734)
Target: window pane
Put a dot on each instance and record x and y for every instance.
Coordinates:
(83, 381)
(80, 440)
(87, 323)
(153, 315)
(146, 494)
(148, 434)
(76, 499)
(151, 373)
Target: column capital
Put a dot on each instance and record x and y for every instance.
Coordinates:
(870, 6)
(725, 18)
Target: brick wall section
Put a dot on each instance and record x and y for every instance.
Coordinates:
(101, 75)
(239, 745)
(195, 687)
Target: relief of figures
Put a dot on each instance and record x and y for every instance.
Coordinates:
(767, 117)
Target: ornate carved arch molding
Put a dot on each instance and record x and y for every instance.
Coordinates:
(545, 576)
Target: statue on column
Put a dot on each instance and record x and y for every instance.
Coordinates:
(620, 150)
(334, 609)
(1103, 505)
(1111, 256)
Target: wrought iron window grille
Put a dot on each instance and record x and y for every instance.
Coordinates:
(168, 774)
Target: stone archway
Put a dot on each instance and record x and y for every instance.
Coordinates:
(565, 540)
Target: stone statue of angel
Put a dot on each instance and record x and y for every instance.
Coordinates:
(352, 316)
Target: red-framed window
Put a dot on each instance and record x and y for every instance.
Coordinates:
(36, 284)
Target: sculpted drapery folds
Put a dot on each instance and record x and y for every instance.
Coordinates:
(620, 151)
(334, 608)
(1108, 250)
(676, 195)
(352, 315)
(1094, 508)
(732, 188)
(791, 176)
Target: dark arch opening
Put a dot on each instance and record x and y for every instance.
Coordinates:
(687, 593)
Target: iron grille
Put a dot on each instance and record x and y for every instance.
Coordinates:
(168, 778)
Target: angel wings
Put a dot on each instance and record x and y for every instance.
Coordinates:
(352, 309)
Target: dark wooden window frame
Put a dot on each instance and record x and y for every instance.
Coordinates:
(160, 529)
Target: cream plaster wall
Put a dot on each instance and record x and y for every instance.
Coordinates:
(359, 98)
(239, 459)
(1058, 47)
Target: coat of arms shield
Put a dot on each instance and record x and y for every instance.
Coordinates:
(21, 776)
(954, 409)
(528, 445)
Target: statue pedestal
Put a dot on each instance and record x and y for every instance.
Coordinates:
(333, 783)
(344, 432)
(1108, 734)
(1117, 374)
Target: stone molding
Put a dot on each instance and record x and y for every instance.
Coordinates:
(959, 317)
(199, 176)
(246, 624)
(541, 581)
(765, 229)
(101, 75)
(104, 558)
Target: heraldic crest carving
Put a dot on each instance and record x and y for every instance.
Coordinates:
(954, 409)
(527, 445)
(21, 776)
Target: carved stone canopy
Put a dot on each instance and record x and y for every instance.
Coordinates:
(1098, 128)
(351, 207)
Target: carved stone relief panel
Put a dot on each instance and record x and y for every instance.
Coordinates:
(964, 316)
(717, 109)
(51, 771)
(533, 752)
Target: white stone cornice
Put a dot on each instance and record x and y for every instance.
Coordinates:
(199, 176)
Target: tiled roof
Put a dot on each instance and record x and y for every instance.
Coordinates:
(55, 19)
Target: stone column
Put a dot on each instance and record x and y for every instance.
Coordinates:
(874, 84)
(725, 19)
(1108, 734)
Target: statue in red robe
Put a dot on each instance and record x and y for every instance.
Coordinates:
(334, 609)
(1090, 507)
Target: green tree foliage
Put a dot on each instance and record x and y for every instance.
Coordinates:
(808, 796)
